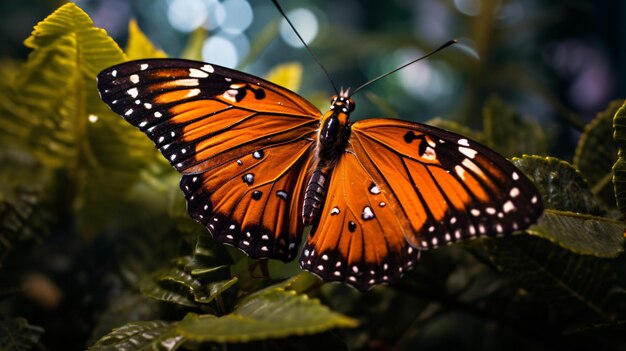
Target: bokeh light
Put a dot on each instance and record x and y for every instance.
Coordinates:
(187, 15)
(216, 15)
(220, 51)
(306, 23)
(238, 16)
(468, 7)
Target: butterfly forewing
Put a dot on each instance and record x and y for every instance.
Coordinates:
(444, 186)
(242, 143)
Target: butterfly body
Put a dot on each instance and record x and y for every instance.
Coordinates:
(332, 138)
(259, 163)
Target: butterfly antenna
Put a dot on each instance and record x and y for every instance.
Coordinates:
(280, 9)
(451, 42)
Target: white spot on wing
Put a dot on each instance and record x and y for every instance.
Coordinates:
(114, 73)
(143, 66)
(196, 73)
(134, 78)
(508, 207)
(471, 153)
(208, 68)
(367, 213)
(193, 92)
(472, 166)
(133, 92)
(463, 142)
(514, 192)
(460, 171)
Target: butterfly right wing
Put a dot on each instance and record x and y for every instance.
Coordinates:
(242, 144)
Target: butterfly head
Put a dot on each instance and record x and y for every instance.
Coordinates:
(342, 103)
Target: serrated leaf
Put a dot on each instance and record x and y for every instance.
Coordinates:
(561, 186)
(192, 280)
(596, 154)
(580, 288)
(17, 335)
(571, 218)
(287, 75)
(62, 120)
(619, 168)
(273, 313)
(24, 217)
(141, 336)
(510, 134)
(139, 46)
(581, 234)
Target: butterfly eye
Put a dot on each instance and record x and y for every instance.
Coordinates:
(333, 99)
(351, 104)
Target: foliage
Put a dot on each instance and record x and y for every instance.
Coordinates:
(142, 275)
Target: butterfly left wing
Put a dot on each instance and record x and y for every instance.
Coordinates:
(242, 144)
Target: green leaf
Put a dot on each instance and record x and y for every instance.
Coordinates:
(581, 234)
(17, 335)
(271, 313)
(63, 122)
(581, 289)
(561, 186)
(139, 46)
(144, 336)
(510, 134)
(193, 49)
(596, 154)
(619, 168)
(24, 217)
(571, 217)
(192, 280)
(287, 75)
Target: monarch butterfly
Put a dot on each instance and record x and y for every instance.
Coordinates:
(259, 163)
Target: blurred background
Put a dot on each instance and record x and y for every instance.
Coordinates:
(555, 61)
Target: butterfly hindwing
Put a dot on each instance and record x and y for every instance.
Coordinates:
(358, 240)
(242, 144)
(442, 186)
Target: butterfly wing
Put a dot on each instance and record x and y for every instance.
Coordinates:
(442, 186)
(402, 185)
(358, 240)
(240, 142)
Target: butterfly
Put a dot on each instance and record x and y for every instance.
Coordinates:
(259, 163)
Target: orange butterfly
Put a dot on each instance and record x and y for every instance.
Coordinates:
(260, 162)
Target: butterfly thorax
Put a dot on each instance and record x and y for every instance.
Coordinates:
(332, 138)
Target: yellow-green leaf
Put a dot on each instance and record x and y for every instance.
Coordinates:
(619, 168)
(581, 234)
(271, 313)
(288, 75)
(597, 152)
(63, 122)
(140, 336)
(139, 46)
